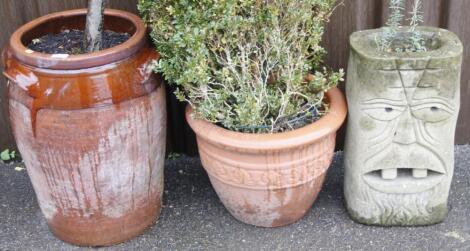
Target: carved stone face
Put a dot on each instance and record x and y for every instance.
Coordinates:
(400, 143)
(404, 127)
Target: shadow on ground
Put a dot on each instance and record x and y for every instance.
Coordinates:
(194, 219)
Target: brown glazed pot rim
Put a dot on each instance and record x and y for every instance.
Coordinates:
(72, 62)
(328, 124)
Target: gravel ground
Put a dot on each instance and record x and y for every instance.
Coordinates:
(194, 219)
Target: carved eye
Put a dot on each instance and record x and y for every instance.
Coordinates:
(384, 112)
(384, 109)
(432, 112)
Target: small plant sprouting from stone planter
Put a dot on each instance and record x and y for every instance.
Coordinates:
(395, 38)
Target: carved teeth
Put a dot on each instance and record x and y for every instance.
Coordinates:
(420, 173)
(389, 174)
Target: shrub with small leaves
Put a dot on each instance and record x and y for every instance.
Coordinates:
(247, 65)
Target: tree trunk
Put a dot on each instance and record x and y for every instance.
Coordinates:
(94, 26)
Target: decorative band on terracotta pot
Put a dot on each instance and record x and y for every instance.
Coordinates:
(91, 129)
(403, 110)
(269, 180)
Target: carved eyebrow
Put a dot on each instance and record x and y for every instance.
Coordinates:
(382, 101)
(427, 84)
(436, 99)
(389, 71)
(433, 70)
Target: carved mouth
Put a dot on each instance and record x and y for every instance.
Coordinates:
(404, 180)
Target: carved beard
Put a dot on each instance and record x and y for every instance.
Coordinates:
(398, 209)
(403, 207)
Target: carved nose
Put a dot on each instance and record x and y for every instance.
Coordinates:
(405, 132)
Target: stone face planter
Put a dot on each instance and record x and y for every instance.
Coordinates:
(269, 180)
(403, 110)
(91, 129)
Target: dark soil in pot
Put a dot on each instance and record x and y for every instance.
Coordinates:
(71, 42)
(288, 123)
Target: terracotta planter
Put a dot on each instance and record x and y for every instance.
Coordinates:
(403, 110)
(91, 129)
(269, 180)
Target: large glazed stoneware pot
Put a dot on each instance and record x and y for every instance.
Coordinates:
(91, 129)
(269, 180)
(403, 110)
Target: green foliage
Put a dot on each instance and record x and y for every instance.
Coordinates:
(174, 156)
(416, 39)
(392, 40)
(243, 64)
(7, 155)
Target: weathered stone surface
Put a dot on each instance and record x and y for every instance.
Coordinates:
(403, 110)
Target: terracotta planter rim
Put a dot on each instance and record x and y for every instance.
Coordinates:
(363, 43)
(74, 62)
(326, 125)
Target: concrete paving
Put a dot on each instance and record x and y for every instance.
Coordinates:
(194, 219)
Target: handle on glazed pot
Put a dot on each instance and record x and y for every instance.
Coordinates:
(5, 51)
(6, 54)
